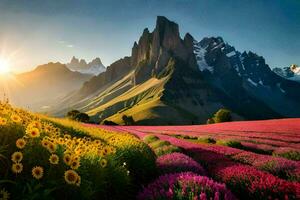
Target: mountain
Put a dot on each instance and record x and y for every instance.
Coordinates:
(42, 87)
(291, 73)
(170, 80)
(94, 67)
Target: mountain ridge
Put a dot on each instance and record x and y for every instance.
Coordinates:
(184, 78)
(42, 87)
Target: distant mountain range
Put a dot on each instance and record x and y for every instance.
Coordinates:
(94, 67)
(291, 73)
(170, 80)
(39, 89)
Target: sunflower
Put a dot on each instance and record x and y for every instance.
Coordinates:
(71, 177)
(103, 163)
(67, 158)
(47, 128)
(17, 157)
(45, 143)
(4, 195)
(61, 141)
(16, 118)
(33, 132)
(51, 147)
(17, 168)
(3, 121)
(4, 111)
(20, 143)
(37, 172)
(75, 164)
(35, 124)
(54, 159)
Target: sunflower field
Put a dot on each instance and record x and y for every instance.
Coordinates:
(47, 158)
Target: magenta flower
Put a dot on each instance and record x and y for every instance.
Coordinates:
(185, 186)
(257, 184)
(178, 162)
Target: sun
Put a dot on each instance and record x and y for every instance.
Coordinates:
(4, 66)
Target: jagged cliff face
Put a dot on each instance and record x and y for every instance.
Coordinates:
(154, 50)
(170, 80)
(247, 75)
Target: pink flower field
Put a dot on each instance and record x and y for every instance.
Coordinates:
(255, 159)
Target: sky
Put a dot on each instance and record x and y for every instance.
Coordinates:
(34, 32)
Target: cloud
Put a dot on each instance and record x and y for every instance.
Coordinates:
(65, 43)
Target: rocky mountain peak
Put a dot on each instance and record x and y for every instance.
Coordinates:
(82, 62)
(96, 61)
(94, 67)
(168, 31)
(190, 79)
(154, 49)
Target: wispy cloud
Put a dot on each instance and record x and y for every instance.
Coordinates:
(65, 43)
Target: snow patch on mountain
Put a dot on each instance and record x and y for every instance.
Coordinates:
(252, 82)
(200, 57)
(291, 73)
(94, 70)
(230, 54)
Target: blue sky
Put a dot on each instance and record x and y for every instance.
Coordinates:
(34, 32)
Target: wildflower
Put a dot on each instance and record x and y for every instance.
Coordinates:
(20, 143)
(67, 158)
(17, 157)
(17, 168)
(174, 186)
(71, 177)
(16, 118)
(54, 159)
(33, 132)
(4, 195)
(178, 162)
(2, 121)
(103, 163)
(37, 172)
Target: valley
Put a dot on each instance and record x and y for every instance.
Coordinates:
(149, 100)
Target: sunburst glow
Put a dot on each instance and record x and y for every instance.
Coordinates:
(4, 66)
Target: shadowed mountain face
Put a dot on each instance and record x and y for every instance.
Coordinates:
(170, 80)
(41, 88)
